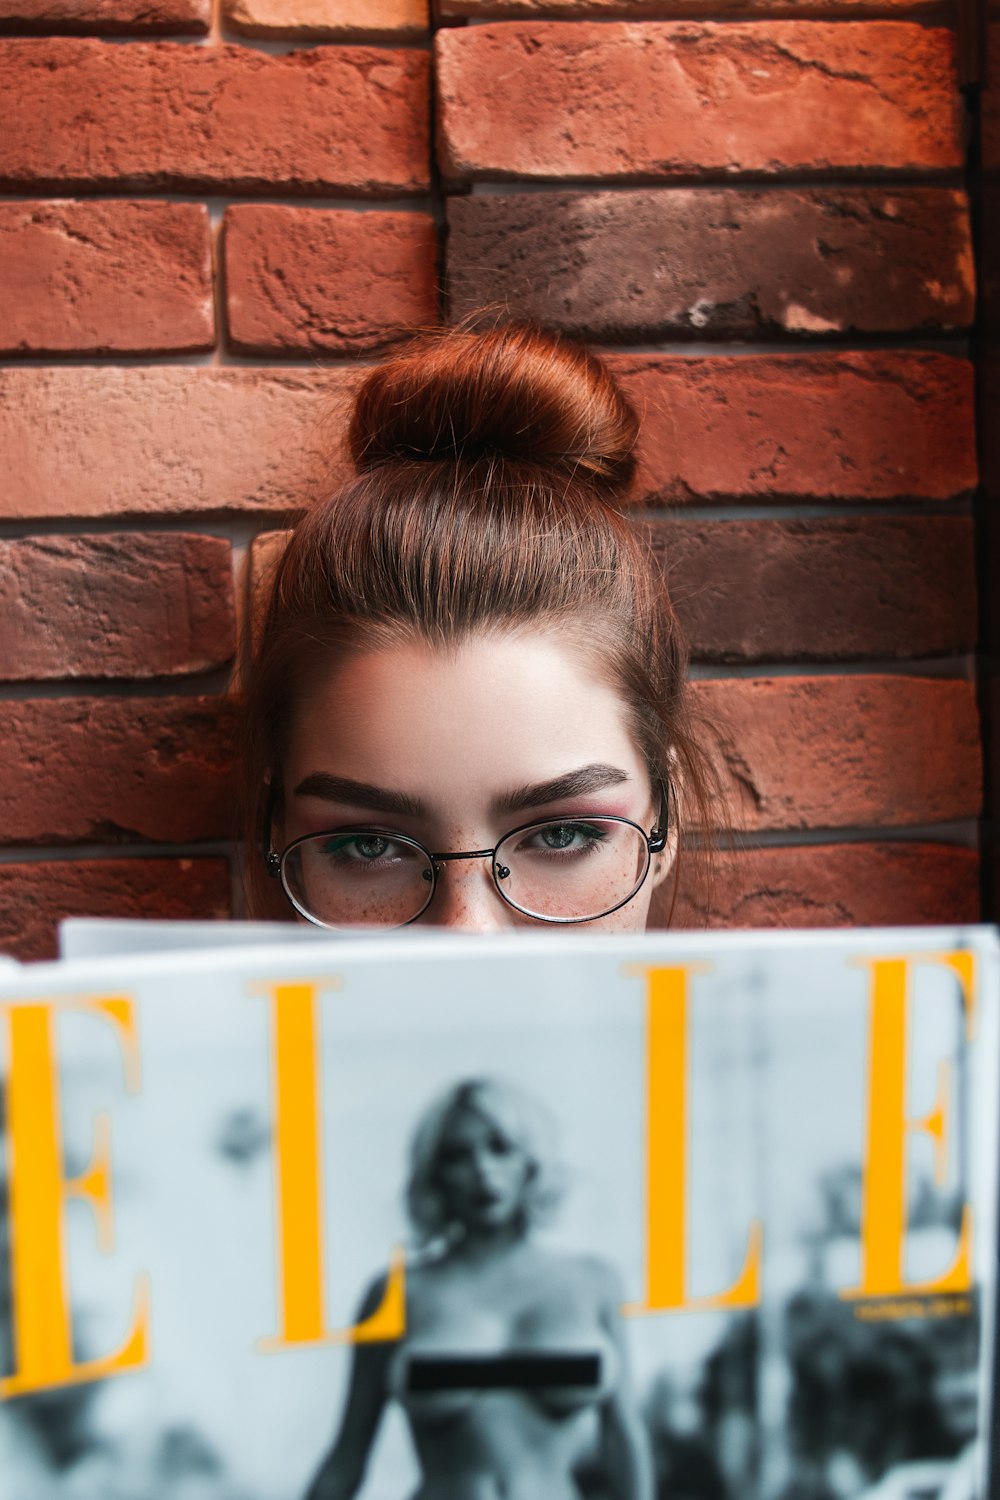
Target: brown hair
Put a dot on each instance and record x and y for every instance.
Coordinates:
(488, 465)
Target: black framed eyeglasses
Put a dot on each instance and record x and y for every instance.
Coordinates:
(560, 870)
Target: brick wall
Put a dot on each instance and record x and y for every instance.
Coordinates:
(210, 221)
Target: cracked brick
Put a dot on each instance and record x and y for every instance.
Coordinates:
(664, 100)
(326, 279)
(880, 426)
(228, 118)
(117, 770)
(841, 752)
(97, 278)
(122, 604)
(107, 17)
(831, 885)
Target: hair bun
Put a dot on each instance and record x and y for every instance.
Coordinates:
(513, 394)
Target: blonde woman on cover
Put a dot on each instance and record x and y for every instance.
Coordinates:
(512, 1370)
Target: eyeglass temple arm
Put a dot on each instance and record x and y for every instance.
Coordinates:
(272, 862)
(657, 838)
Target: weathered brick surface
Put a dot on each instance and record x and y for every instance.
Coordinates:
(116, 770)
(824, 589)
(876, 426)
(156, 115)
(336, 281)
(333, 20)
(836, 752)
(834, 885)
(107, 17)
(664, 99)
(105, 277)
(709, 262)
(117, 605)
(258, 578)
(799, 590)
(34, 897)
(656, 10)
(168, 441)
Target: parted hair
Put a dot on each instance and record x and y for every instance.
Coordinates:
(490, 471)
(519, 1118)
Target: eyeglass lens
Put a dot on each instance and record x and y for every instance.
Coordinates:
(557, 871)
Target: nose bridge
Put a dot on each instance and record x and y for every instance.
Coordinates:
(465, 897)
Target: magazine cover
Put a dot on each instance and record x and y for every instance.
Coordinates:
(692, 1217)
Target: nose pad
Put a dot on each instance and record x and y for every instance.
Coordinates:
(465, 898)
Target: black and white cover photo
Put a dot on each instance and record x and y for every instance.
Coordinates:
(693, 1220)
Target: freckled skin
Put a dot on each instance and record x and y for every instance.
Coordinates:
(456, 728)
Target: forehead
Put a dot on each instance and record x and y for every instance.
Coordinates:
(489, 712)
(471, 1123)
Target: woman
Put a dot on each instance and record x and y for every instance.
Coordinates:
(467, 707)
(512, 1368)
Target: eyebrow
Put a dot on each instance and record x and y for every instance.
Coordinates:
(359, 794)
(329, 788)
(595, 778)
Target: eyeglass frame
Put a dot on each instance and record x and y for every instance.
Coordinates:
(655, 839)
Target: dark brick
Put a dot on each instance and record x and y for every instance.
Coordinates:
(34, 897)
(716, 262)
(116, 770)
(118, 605)
(822, 590)
(833, 885)
(107, 17)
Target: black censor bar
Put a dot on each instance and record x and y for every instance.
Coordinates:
(494, 1372)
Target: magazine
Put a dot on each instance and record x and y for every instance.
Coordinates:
(700, 1217)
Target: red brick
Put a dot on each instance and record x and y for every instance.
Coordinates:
(842, 752)
(709, 262)
(586, 100)
(821, 590)
(883, 426)
(828, 427)
(990, 116)
(156, 115)
(107, 17)
(336, 281)
(168, 440)
(834, 885)
(330, 20)
(117, 605)
(116, 770)
(262, 559)
(655, 10)
(97, 278)
(34, 897)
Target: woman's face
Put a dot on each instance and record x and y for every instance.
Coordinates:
(456, 747)
(481, 1173)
